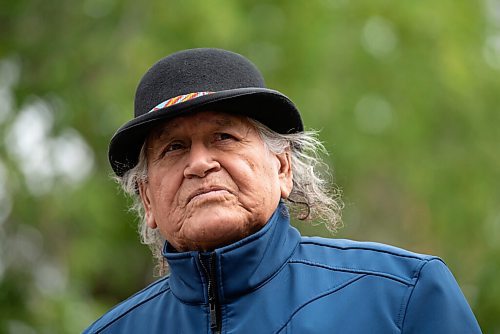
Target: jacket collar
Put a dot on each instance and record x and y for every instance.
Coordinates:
(240, 267)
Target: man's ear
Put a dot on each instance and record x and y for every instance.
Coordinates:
(285, 173)
(146, 203)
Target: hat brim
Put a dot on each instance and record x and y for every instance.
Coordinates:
(267, 106)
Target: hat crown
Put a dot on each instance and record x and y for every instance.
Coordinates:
(194, 70)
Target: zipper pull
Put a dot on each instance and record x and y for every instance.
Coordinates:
(213, 318)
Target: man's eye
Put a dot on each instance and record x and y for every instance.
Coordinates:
(173, 147)
(223, 136)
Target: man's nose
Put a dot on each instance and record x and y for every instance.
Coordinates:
(200, 161)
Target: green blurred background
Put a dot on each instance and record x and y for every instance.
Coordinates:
(405, 93)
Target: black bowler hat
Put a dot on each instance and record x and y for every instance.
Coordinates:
(195, 80)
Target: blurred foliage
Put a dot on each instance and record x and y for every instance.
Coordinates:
(406, 95)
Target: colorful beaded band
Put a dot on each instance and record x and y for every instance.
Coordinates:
(179, 99)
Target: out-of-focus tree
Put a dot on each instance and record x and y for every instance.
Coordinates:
(405, 94)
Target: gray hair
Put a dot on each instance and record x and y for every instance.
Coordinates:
(312, 198)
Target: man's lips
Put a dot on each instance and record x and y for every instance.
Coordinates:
(207, 190)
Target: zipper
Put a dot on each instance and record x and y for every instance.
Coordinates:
(208, 263)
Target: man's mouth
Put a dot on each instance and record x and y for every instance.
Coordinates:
(207, 192)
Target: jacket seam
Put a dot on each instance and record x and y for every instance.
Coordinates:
(356, 271)
(111, 322)
(319, 296)
(265, 282)
(416, 277)
(416, 257)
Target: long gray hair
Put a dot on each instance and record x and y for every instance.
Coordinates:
(312, 198)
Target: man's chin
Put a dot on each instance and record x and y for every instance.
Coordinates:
(212, 230)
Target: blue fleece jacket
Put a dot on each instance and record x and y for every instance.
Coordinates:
(276, 281)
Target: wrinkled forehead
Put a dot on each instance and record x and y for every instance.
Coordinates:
(211, 118)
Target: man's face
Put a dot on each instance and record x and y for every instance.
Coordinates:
(211, 181)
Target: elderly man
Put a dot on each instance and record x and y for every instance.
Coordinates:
(217, 163)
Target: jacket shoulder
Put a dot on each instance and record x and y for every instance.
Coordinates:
(148, 294)
(363, 258)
